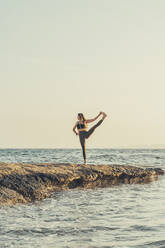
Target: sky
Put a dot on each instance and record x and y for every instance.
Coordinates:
(60, 57)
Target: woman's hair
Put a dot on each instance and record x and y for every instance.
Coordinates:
(81, 116)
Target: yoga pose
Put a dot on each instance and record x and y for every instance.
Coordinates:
(81, 126)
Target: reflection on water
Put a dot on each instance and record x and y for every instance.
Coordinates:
(121, 216)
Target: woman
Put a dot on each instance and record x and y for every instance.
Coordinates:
(81, 126)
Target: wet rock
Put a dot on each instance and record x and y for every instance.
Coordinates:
(23, 183)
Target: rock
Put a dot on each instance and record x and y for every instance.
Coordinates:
(23, 183)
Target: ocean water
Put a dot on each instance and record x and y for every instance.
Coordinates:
(120, 216)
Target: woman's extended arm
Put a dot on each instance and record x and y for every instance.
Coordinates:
(90, 120)
(74, 129)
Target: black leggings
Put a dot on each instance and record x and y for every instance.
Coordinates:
(85, 135)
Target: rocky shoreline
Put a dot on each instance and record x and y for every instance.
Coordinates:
(25, 183)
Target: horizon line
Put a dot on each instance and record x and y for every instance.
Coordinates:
(46, 148)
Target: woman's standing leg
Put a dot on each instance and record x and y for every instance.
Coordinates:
(82, 142)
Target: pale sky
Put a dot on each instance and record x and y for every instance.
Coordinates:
(61, 57)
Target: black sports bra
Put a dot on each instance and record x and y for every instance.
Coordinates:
(81, 125)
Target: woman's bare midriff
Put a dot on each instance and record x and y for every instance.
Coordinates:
(82, 129)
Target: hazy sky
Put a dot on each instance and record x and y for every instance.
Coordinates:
(61, 57)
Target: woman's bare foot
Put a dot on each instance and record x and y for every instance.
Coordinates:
(104, 115)
(85, 162)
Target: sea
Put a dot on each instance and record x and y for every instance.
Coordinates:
(126, 216)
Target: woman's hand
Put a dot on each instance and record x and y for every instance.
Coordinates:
(75, 132)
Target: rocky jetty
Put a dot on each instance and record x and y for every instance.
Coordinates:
(24, 183)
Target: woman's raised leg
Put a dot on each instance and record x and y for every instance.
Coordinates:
(91, 130)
